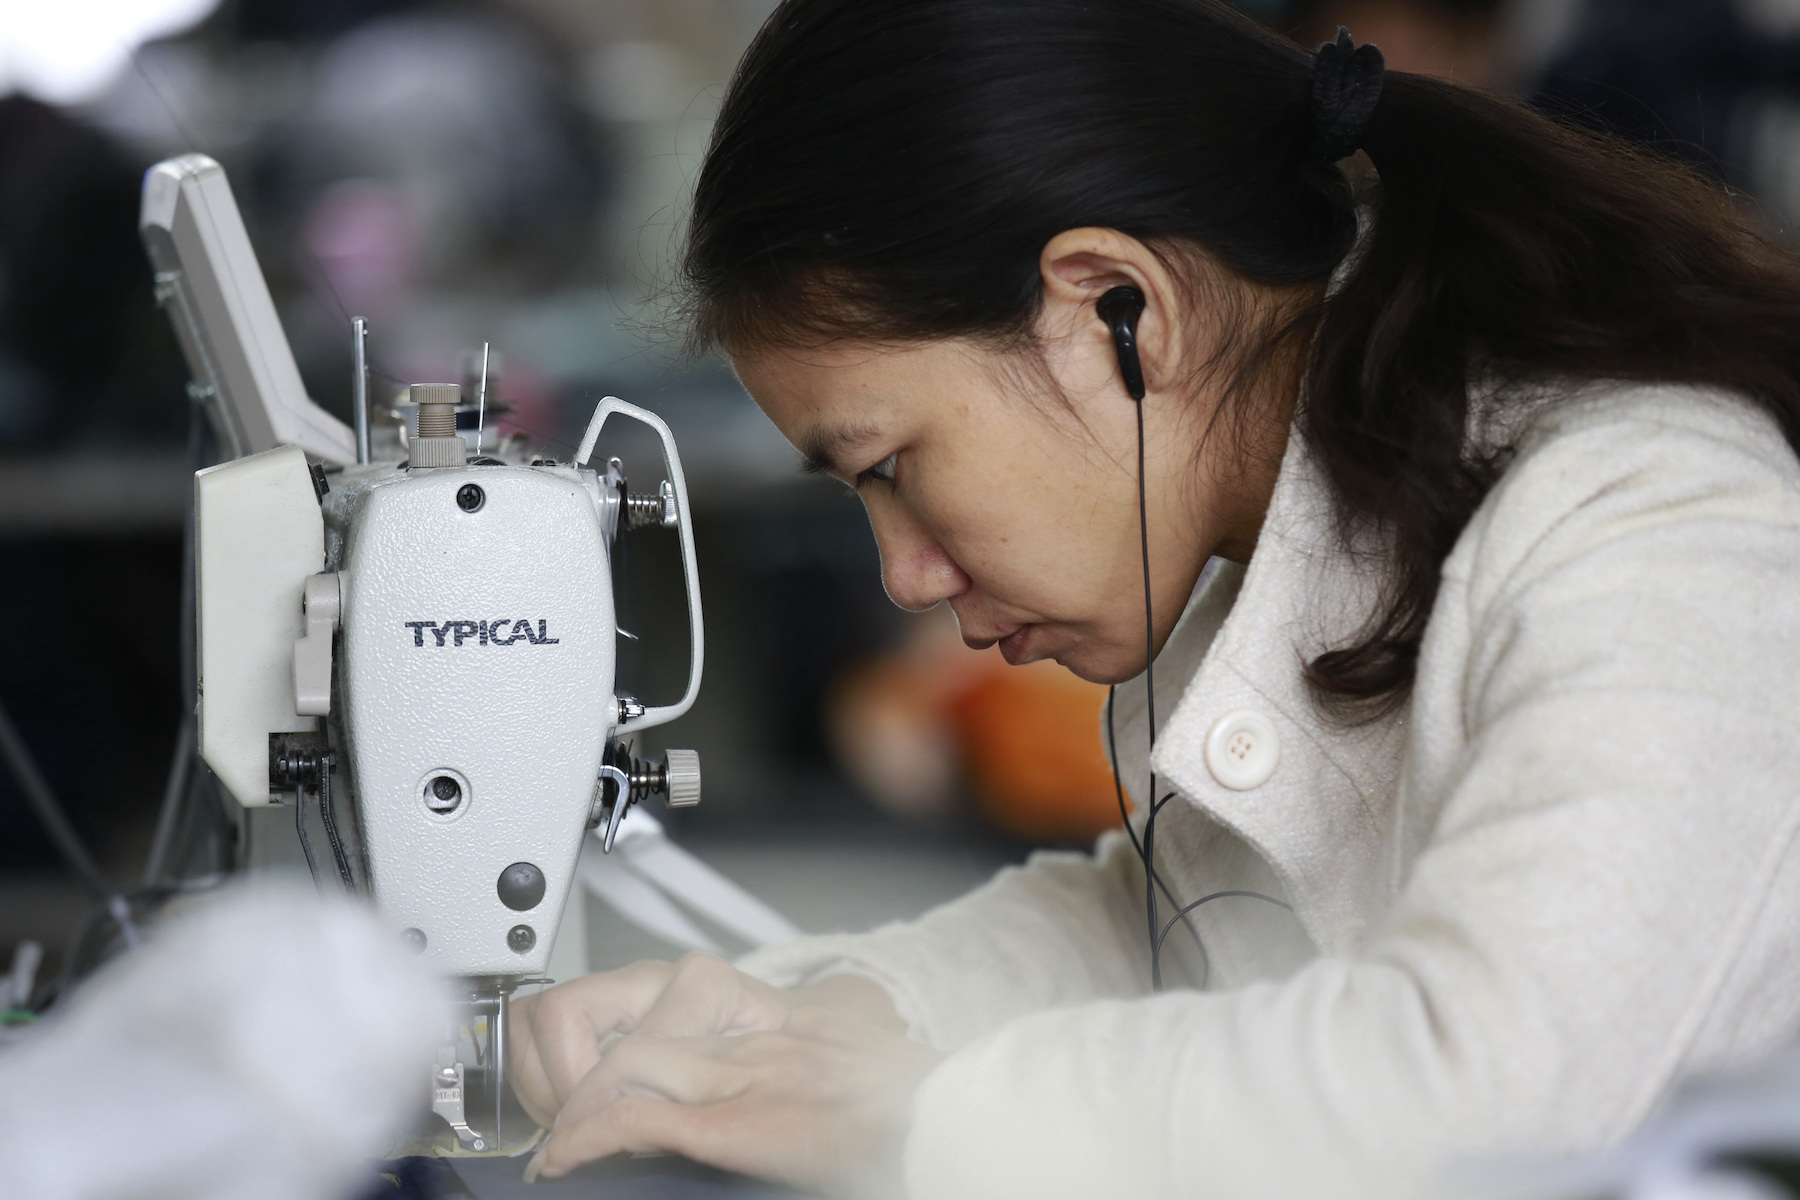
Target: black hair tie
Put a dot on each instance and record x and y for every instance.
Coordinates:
(1346, 87)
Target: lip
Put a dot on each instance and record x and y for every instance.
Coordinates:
(981, 641)
(1015, 647)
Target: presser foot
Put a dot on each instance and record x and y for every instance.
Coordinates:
(447, 1100)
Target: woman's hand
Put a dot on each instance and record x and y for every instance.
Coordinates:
(822, 1103)
(559, 1035)
(812, 1086)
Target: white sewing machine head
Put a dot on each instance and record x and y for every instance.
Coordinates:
(424, 649)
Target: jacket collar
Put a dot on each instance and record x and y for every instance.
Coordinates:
(1242, 644)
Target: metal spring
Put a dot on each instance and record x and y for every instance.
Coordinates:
(643, 509)
(648, 778)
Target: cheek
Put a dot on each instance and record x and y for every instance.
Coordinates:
(1023, 534)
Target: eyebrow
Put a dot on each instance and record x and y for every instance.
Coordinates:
(820, 448)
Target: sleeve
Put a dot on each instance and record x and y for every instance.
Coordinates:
(1062, 929)
(1605, 895)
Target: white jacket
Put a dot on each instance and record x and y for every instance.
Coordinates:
(1562, 878)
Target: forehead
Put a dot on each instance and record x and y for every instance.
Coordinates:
(828, 402)
(818, 375)
(832, 401)
(860, 375)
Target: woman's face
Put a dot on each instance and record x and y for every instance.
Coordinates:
(1005, 484)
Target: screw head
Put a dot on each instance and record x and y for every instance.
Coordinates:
(470, 497)
(414, 940)
(443, 795)
(521, 938)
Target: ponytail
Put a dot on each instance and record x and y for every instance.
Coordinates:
(1508, 247)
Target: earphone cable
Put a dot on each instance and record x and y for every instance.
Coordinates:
(1122, 319)
(1112, 758)
(1185, 910)
(1149, 844)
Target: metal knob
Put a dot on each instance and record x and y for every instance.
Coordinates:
(437, 443)
(681, 776)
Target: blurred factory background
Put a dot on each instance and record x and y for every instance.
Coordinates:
(515, 172)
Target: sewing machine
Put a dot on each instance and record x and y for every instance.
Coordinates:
(420, 652)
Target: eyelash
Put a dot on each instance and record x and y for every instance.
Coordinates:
(883, 471)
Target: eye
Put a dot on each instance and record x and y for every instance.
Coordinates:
(883, 470)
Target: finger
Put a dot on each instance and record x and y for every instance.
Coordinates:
(687, 1071)
(707, 995)
(636, 1124)
(525, 1069)
(569, 1022)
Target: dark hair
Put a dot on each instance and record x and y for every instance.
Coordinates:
(894, 168)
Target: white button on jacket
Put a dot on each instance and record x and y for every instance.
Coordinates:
(1243, 749)
(1558, 880)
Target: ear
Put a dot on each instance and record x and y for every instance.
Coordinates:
(1078, 266)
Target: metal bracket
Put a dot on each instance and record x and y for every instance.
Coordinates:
(447, 1098)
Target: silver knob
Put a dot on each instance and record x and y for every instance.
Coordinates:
(682, 778)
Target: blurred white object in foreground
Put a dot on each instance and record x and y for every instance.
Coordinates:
(1692, 1150)
(265, 1045)
(65, 53)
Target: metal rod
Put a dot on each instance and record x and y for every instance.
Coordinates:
(359, 384)
(498, 1028)
(481, 399)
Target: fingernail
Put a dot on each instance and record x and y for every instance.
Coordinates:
(537, 1163)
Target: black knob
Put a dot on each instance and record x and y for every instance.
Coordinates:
(521, 886)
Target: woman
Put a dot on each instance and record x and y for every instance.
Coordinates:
(1480, 735)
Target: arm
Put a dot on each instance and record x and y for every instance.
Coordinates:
(1062, 929)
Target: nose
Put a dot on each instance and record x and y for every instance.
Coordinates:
(916, 571)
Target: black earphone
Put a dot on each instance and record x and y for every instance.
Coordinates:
(1120, 308)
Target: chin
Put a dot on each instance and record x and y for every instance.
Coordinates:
(1094, 661)
(1096, 666)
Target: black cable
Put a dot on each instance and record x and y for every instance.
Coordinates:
(56, 823)
(1148, 848)
(186, 791)
(168, 816)
(43, 802)
(1182, 915)
(1112, 756)
(312, 864)
(330, 819)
